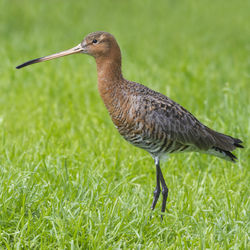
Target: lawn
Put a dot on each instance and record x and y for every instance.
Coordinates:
(67, 179)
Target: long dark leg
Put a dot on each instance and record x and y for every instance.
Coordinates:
(164, 187)
(158, 188)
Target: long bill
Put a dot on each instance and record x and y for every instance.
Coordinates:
(74, 50)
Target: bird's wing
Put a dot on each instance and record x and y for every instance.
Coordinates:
(161, 113)
(181, 126)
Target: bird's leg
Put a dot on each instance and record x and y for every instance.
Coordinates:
(164, 188)
(158, 188)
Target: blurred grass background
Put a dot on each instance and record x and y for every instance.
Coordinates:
(67, 179)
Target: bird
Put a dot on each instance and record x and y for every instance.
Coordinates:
(145, 118)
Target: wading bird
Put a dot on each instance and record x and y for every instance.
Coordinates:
(146, 118)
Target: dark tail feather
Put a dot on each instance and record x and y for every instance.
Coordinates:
(224, 154)
(231, 156)
(224, 144)
(237, 143)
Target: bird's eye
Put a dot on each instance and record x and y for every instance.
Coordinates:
(94, 41)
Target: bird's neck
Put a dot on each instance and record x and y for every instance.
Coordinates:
(109, 74)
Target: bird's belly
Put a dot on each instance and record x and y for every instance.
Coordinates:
(140, 135)
(155, 146)
(152, 145)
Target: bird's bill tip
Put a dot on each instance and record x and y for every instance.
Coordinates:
(74, 50)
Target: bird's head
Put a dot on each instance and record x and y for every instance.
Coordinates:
(98, 44)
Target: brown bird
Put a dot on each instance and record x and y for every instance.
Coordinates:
(144, 117)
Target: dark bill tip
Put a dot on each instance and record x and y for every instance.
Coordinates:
(28, 63)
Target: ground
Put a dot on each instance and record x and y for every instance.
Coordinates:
(67, 179)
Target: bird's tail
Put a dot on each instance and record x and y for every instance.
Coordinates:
(224, 144)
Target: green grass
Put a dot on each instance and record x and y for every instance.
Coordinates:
(67, 179)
